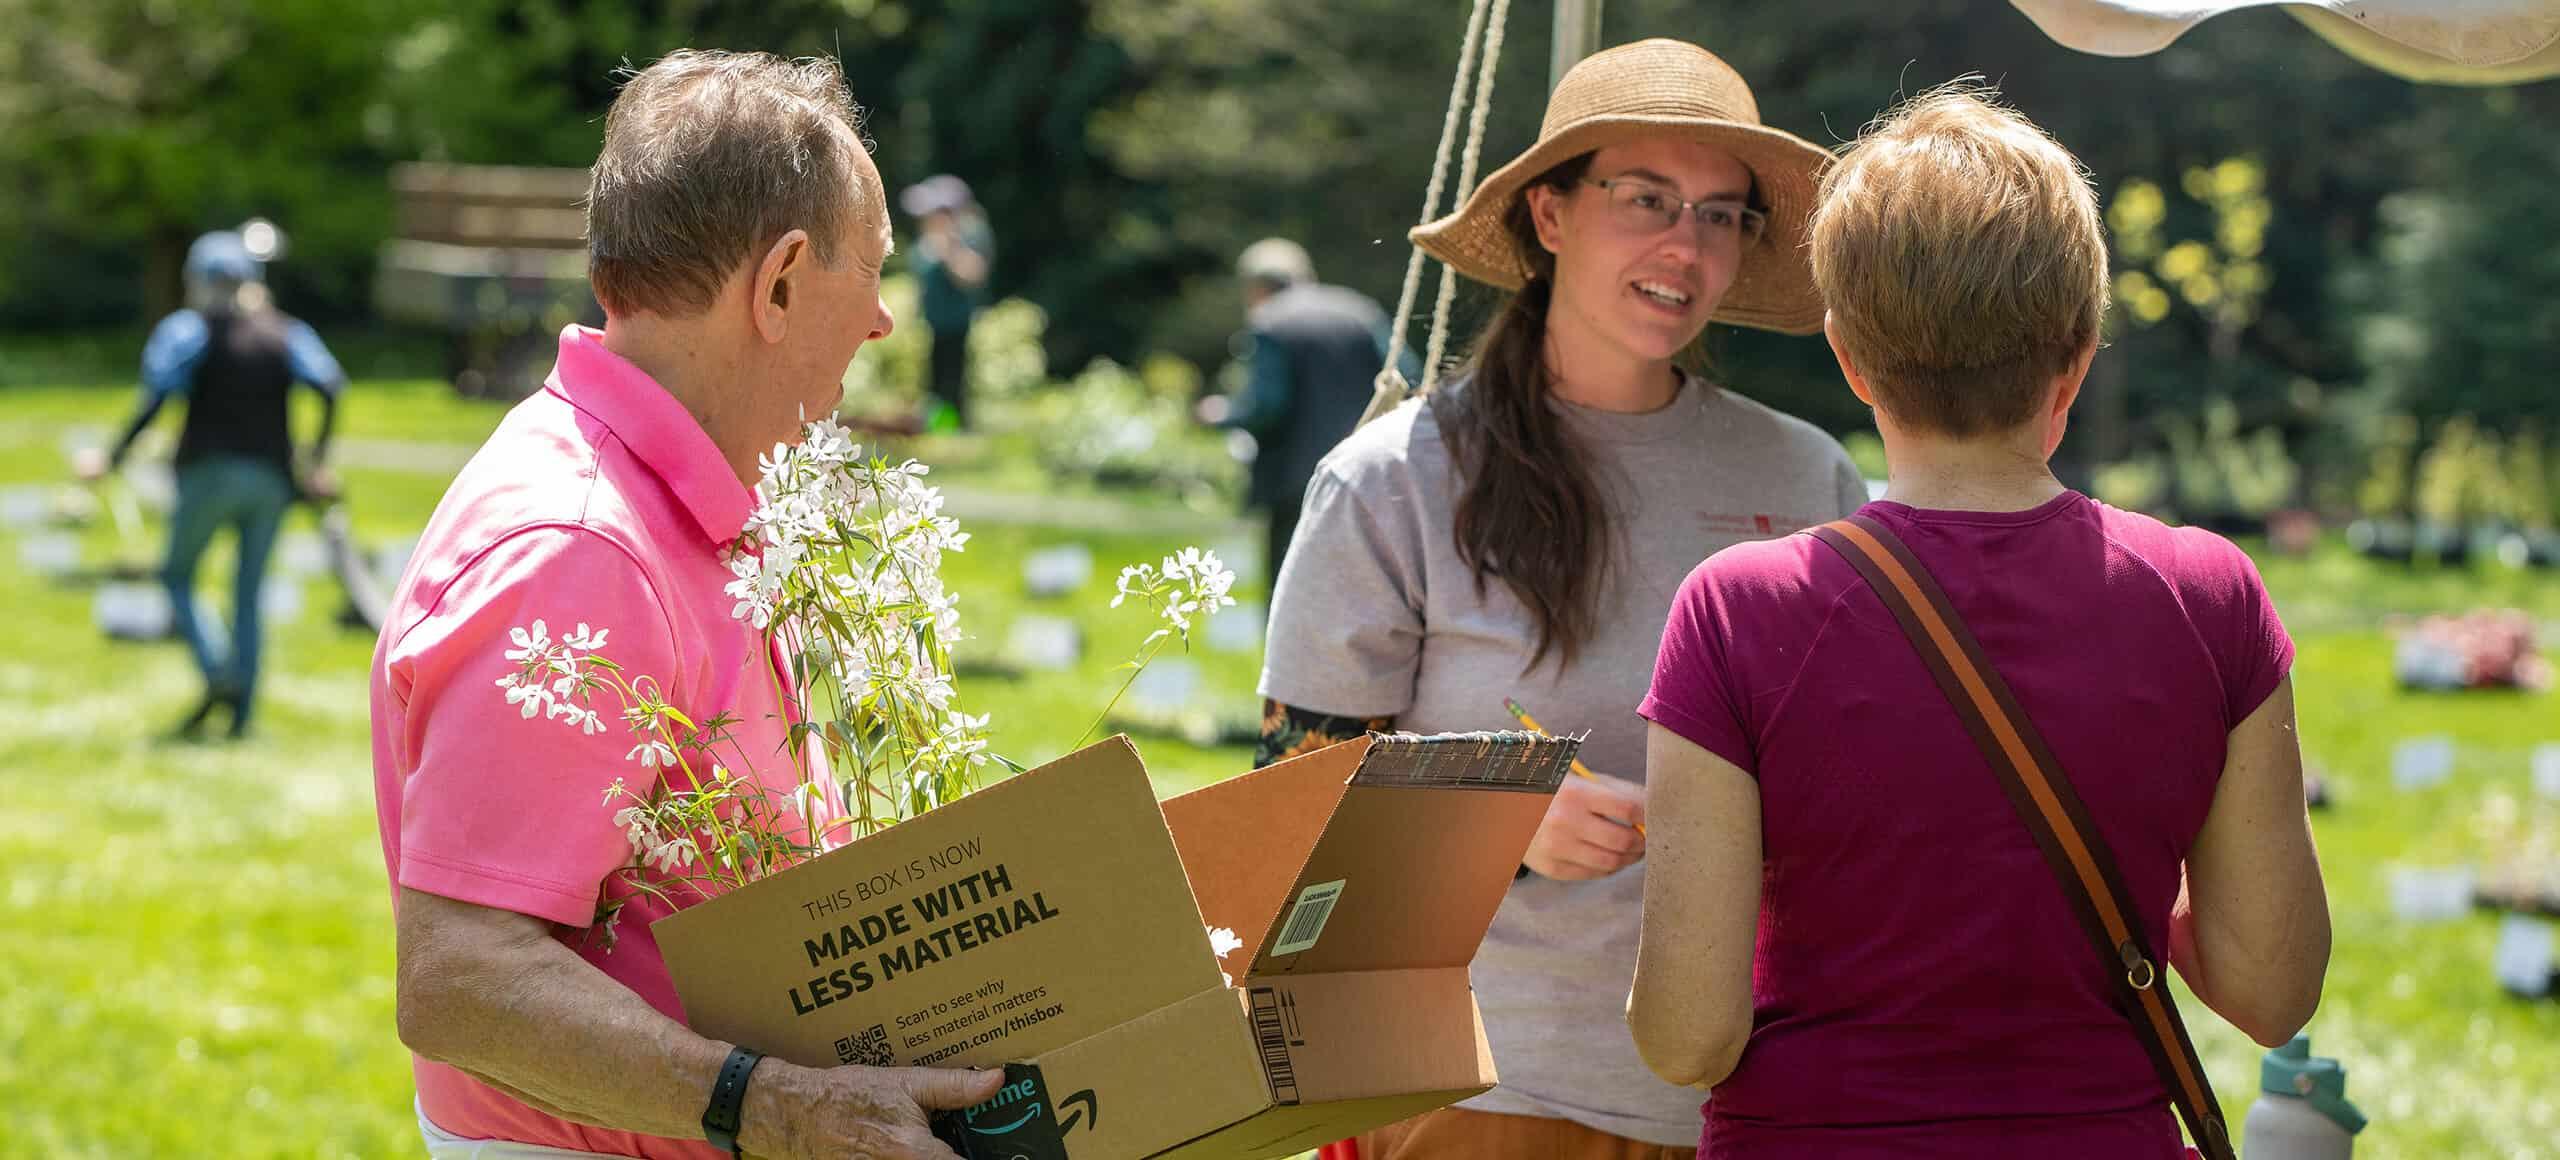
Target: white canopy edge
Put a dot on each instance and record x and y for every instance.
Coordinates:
(2482, 42)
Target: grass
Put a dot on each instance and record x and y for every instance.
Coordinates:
(198, 957)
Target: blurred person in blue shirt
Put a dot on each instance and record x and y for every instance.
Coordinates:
(1311, 354)
(951, 262)
(235, 359)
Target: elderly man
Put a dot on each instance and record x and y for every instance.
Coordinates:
(736, 230)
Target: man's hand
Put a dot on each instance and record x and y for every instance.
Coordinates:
(494, 993)
(90, 464)
(1590, 830)
(793, 1112)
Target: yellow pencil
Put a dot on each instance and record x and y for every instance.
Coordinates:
(1531, 724)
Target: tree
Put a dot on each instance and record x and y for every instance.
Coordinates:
(2459, 305)
(134, 125)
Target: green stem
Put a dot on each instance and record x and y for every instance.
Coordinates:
(1145, 658)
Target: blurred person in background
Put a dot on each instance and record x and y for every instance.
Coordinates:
(951, 261)
(1311, 354)
(235, 359)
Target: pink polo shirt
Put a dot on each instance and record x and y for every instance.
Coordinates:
(597, 500)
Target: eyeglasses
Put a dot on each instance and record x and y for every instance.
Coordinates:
(1641, 206)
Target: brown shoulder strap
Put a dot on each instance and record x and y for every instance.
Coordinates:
(2045, 801)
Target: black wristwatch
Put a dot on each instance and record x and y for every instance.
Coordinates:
(728, 1095)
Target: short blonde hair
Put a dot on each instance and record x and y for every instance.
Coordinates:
(709, 157)
(1958, 248)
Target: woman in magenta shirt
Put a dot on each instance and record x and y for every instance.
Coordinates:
(1849, 934)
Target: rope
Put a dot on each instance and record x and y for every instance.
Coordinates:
(1391, 385)
(1466, 185)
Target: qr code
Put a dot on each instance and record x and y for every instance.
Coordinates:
(869, 1049)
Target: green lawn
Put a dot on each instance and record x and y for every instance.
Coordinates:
(198, 957)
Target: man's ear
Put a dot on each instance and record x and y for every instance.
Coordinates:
(769, 297)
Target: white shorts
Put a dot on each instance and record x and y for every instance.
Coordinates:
(444, 1145)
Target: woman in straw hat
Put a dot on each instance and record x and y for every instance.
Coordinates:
(1517, 537)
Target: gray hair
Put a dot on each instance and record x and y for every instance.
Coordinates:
(708, 157)
(1275, 264)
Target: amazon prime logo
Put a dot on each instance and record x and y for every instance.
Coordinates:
(1022, 1122)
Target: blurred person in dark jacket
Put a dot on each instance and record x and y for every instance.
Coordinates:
(235, 359)
(1311, 354)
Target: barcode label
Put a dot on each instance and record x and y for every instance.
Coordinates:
(1307, 918)
(1271, 1035)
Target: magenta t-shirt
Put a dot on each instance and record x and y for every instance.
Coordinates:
(1920, 987)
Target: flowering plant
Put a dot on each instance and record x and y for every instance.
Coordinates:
(840, 567)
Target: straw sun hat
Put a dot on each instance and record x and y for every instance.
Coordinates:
(1647, 89)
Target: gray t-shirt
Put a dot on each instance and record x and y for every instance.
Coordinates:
(1374, 615)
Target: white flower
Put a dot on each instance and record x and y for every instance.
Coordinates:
(945, 610)
(828, 443)
(1222, 940)
(530, 646)
(651, 754)
(635, 828)
(672, 855)
(1213, 580)
(935, 688)
(754, 589)
(583, 639)
(1135, 580)
(533, 697)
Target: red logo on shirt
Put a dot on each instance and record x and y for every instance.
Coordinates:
(1761, 524)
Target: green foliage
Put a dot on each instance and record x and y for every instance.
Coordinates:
(1120, 428)
(2390, 476)
(2222, 279)
(2537, 487)
(129, 126)
(2210, 469)
(1867, 451)
(2459, 297)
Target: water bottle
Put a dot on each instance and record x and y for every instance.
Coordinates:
(2302, 1111)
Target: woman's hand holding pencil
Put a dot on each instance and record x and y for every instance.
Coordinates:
(1595, 826)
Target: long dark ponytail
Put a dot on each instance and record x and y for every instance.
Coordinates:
(1529, 511)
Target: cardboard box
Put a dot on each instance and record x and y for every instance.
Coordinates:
(1059, 919)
